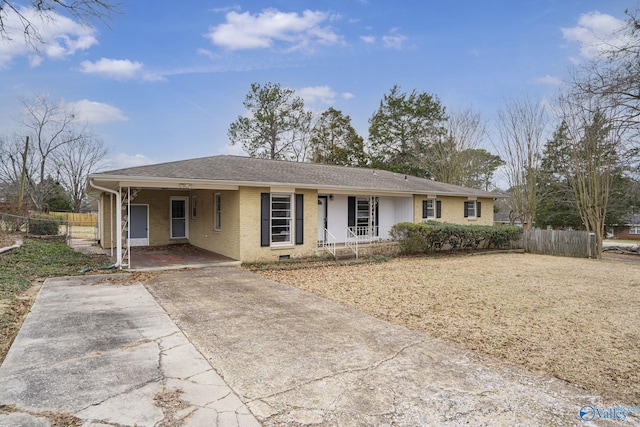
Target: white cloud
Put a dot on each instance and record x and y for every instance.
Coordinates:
(119, 69)
(123, 160)
(313, 94)
(549, 80)
(595, 33)
(394, 40)
(59, 37)
(348, 95)
(96, 112)
(368, 39)
(207, 53)
(247, 31)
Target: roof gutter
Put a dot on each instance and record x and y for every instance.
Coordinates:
(118, 263)
(186, 183)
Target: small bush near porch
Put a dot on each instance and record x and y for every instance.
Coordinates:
(435, 236)
(571, 318)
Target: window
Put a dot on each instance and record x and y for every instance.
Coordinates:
(634, 230)
(179, 224)
(216, 212)
(281, 217)
(429, 208)
(472, 209)
(362, 213)
(194, 203)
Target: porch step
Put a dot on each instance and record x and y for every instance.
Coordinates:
(345, 253)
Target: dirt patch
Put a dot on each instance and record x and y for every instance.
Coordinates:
(571, 318)
(13, 313)
(57, 419)
(171, 403)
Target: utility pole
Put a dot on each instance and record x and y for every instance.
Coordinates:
(23, 172)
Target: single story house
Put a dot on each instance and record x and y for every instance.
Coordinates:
(253, 209)
(630, 230)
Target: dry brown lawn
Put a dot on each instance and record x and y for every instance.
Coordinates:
(575, 319)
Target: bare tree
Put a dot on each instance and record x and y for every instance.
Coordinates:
(457, 157)
(30, 16)
(74, 162)
(613, 78)
(52, 148)
(16, 163)
(592, 140)
(522, 126)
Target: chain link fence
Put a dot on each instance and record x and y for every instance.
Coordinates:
(48, 225)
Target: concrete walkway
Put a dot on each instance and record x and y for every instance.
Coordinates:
(100, 351)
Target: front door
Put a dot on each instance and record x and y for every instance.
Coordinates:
(139, 225)
(179, 227)
(322, 218)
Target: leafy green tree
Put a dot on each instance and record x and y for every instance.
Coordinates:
(334, 141)
(58, 200)
(276, 126)
(557, 205)
(403, 129)
(480, 165)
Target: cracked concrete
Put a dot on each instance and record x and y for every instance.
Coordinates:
(296, 359)
(105, 353)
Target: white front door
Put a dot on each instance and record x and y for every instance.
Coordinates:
(322, 218)
(179, 225)
(139, 225)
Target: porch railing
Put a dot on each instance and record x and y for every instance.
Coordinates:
(367, 234)
(329, 243)
(352, 240)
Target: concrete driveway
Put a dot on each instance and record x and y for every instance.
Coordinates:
(297, 359)
(99, 351)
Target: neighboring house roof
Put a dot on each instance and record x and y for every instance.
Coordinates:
(633, 220)
(250, 171)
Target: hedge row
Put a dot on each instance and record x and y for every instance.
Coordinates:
(435, 236)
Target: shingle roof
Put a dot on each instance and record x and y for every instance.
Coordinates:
(252, 171)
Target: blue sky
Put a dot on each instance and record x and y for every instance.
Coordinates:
(165, 79)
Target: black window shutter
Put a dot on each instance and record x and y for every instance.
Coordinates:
(351, 211)
(466, 209)
(424, 209)
(299, 219)
(265, 218)
(438, 208)
(478, 209)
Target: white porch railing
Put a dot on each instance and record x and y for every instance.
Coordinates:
(352, 240)
(329, 243)
(369, 234)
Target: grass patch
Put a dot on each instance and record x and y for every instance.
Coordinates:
(34, 261)
(574, 319)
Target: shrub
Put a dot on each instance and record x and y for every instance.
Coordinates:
(43, 227)
(435, 236)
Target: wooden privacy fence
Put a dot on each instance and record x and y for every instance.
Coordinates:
(88, 219)
(578, 244)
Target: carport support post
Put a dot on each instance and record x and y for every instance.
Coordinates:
(119, 228)
(118, 219)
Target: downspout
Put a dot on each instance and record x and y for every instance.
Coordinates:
(118, 221)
